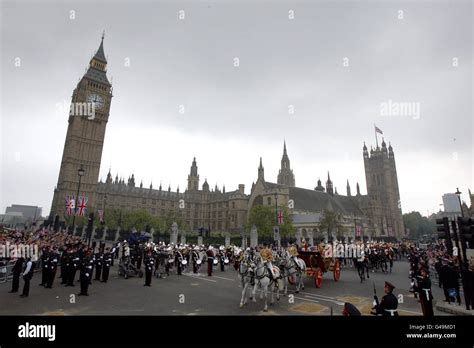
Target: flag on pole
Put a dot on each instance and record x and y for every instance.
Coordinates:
(101, 215)
(280, 217)
(378, 130)
(70, 205)
(81, 207)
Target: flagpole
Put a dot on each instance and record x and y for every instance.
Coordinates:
(376, 140)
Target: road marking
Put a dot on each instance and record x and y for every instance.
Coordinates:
(232, 280)
(194, 277)
(306, 299)
(406, 310)
(309, 293)
(313, 300)
(324, 299)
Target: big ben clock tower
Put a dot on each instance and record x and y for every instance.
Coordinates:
(89, 113)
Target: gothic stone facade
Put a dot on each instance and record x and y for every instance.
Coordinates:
(378, 212)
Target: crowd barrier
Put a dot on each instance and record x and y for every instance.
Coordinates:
(6, 270)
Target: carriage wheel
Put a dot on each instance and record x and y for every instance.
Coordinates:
(337, 270)
(318, 277)
(291, 279)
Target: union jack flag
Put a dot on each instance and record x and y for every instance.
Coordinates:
(280, 217)
(70, 204)
(81, 207)
(101, 215)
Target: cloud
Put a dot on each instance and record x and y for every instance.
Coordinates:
(233, 115)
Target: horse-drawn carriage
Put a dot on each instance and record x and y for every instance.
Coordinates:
(317, 265)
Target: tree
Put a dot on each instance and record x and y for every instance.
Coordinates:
(140, 219)
(112, 218)
(332, 222)
(264, 218)
(167, 220)
(418, 225)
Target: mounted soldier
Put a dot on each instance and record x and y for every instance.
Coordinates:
(267, 256)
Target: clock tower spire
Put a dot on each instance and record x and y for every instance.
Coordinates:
(88, 117)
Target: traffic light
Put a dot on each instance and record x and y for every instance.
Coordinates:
(444, 233)
(466, 230)
(90, 225)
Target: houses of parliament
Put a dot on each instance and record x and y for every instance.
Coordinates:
(375, 214)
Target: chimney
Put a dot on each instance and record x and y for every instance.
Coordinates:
(241, 188)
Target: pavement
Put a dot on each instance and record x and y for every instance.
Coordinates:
(191, 294)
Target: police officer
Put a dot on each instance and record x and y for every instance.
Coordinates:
(108, 259)
(53, 258)
(388, 306)
(149, 264)
(17, 268)
(27, 275)
(86, 272)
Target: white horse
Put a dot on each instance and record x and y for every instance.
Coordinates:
(293, 266)
(247, 278)
(280, 261)
(265, 281)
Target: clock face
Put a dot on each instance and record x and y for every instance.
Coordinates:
(96, 99)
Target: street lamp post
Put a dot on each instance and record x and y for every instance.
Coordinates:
(276, 208)
(103, 213)
(80, 173)
(355, 227)
(458, 193)
(462, 253)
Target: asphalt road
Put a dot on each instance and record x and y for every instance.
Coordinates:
(190, 294)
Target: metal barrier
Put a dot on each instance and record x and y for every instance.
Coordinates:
(6, 271)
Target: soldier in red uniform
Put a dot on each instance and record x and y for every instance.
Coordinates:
(210, 260)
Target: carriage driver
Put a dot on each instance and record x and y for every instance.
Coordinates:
(267, 257)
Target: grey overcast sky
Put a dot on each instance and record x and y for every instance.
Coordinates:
(334, 63)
